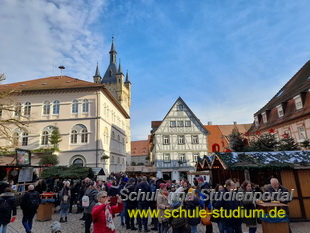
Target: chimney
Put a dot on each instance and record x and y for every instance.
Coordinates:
(209, 122)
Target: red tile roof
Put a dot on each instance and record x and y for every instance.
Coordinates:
(155, 124)
(59, 83)
(299, 84)
(50, 83)
(140, 148)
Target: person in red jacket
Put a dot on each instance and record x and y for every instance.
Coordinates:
(102, 214)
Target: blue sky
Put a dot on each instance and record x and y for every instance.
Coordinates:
(226, 59)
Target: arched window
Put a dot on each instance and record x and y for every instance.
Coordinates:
(18, 109)
(118, 160)
(123, 140)
(56, 107)
(108, 112)
(113, 135)
(74, 136)
(105, 110)
(79, 134)
(44, 138)
(46, 108)
(25, 139)
(27, 109)
(106, 135)
(75, 106)
(15, 139)
(85, 106)
(78, 162)
(84, 136)
(112, 159)
(118, 138)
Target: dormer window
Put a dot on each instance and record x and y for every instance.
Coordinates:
(298, 102)
(111, 72)
(256, 121)
(264, 115)
(280, 111)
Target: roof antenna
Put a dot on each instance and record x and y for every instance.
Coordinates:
(61, 68)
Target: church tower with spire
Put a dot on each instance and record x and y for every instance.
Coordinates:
(119, 86)
(114, 80)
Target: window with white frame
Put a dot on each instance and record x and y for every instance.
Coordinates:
(256, 121)
(195, 157)
(195, 139)
(181, 139)
(302, 133)
(187, 123)
(167, 158)
(84, 136)
(46, 108)
(18, 109)
(106, 135)
(46, 132)
(298, 102)
(180, 123)
(79, 134)
(180, 107)
(172, 124)
(74, 135)
(85, 106)
(182, 157)
(44, 138)
(166, 140)
(27, 109)
(15, 139)
(75, 107)
(56, 107)
(264, 116)
(280, 111)
(25, 139)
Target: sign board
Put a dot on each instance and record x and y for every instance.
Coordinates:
(23, 157)
(25, 174)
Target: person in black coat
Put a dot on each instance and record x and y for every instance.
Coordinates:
(231, 225)
(7, 206)
(4, 184)
(29, 205)
(130, 205)
(191, 206)
(143, 204)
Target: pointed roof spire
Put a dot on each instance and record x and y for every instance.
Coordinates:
(120, 71)
(127, 78)
(97, 73)
(113, 46)
(113, 53)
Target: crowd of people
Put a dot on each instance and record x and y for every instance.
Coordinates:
(100, 201)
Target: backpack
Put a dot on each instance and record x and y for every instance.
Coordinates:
(85, 201)
(4, 206)
(34, 201)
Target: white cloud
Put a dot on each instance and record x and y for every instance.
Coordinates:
(38, 36)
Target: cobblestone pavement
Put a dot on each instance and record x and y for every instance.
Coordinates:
(74, 225)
